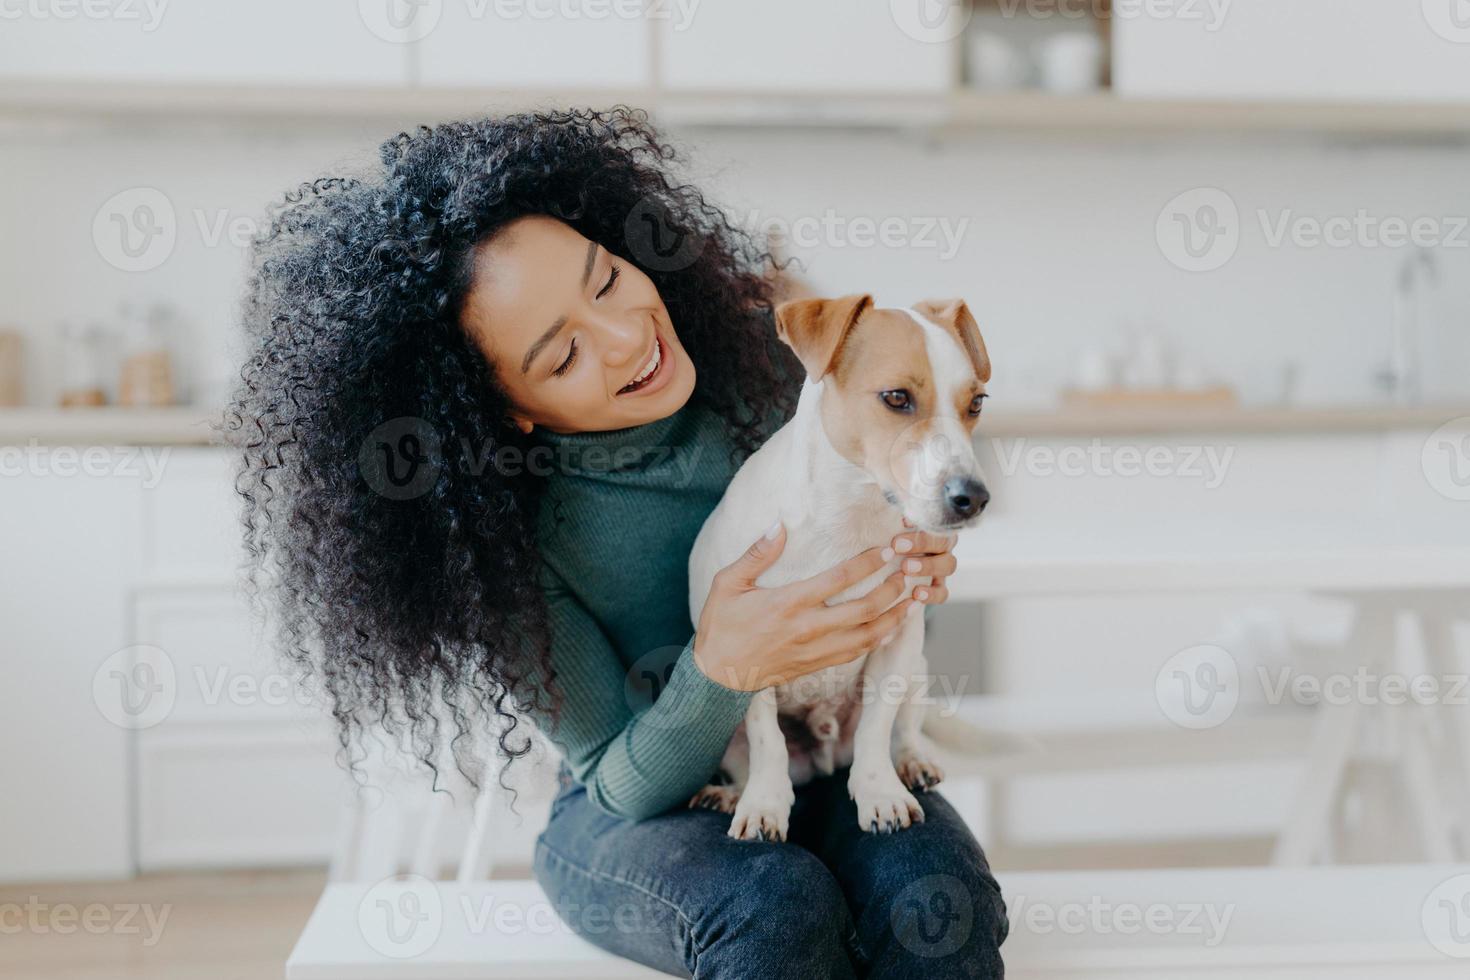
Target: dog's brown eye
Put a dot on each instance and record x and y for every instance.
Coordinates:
(977, 403)
(897, 399)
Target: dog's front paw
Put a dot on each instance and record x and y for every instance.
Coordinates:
(883, 805)
(918, 774)
(762, 814)
(721, 798)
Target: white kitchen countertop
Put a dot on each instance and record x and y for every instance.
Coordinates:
(190, 425)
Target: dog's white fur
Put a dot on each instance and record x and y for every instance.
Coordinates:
(832, 509)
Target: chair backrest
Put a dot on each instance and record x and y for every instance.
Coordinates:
(395, 820)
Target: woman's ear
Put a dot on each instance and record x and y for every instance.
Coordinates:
(524, 424)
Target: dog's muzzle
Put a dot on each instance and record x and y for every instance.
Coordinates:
(964, 498)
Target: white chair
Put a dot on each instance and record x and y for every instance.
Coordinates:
(410, 893)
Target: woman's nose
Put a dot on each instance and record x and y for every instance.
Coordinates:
(624, 337)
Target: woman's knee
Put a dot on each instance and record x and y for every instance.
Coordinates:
(943, 923)
(927, 903)
(784, 917)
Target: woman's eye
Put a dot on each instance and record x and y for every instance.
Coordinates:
(897, 399)
(977, 403)
(566, 365)
(612, 280)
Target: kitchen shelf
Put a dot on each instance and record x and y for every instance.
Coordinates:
(960, 109)
(184, 426)
(190, 426)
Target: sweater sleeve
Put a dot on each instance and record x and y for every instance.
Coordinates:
(634, 763)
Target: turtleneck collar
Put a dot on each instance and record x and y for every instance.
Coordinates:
(618, 450)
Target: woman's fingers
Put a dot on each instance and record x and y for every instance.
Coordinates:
(934, 566)
(923, 543)
(851, 642)
(820, 588)
(932, 595)
(854, 612)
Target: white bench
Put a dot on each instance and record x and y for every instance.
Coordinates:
(1216, 924)
(387, 915)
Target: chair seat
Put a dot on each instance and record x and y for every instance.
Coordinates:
(442, 930)
(1346, 923)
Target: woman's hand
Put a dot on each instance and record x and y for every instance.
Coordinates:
(927, 554)
(750, 638)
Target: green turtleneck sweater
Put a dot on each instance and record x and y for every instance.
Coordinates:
(641, 726)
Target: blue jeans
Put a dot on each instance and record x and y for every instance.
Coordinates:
(675, 893)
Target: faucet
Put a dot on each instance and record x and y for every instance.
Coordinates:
(1400, 377)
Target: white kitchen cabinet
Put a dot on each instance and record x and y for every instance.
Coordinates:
(816, 46)
(150, 724)
(520, 44)
(268, 42)
(70, 542)
(1414, 50)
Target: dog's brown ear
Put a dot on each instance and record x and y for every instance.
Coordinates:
(954, 315)
(815, 328)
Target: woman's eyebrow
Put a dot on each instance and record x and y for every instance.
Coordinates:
(555, 328)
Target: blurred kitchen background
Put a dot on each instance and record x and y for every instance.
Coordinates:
(1234, 234)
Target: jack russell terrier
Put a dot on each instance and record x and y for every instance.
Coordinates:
(882, 433)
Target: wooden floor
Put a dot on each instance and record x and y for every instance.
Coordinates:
(237, 926)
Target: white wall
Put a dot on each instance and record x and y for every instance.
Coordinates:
(1058, 248)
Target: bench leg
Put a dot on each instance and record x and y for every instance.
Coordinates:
(1306, 834)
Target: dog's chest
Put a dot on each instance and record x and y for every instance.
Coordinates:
(834, 688)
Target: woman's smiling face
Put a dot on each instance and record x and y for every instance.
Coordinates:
(580, 340)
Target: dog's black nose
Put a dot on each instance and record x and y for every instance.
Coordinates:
(965, 497)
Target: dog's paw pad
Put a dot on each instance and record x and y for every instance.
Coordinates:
(885, 812)
(720, 798)
(758, 820)
(919, 775)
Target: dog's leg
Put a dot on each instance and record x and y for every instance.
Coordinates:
(764, 809)
(911, 754)
(883, 804)
(735, 764)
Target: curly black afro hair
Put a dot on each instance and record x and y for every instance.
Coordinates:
(413, 614)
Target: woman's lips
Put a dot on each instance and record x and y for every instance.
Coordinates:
(660, 374)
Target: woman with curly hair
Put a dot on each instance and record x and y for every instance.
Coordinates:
(494, 388)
